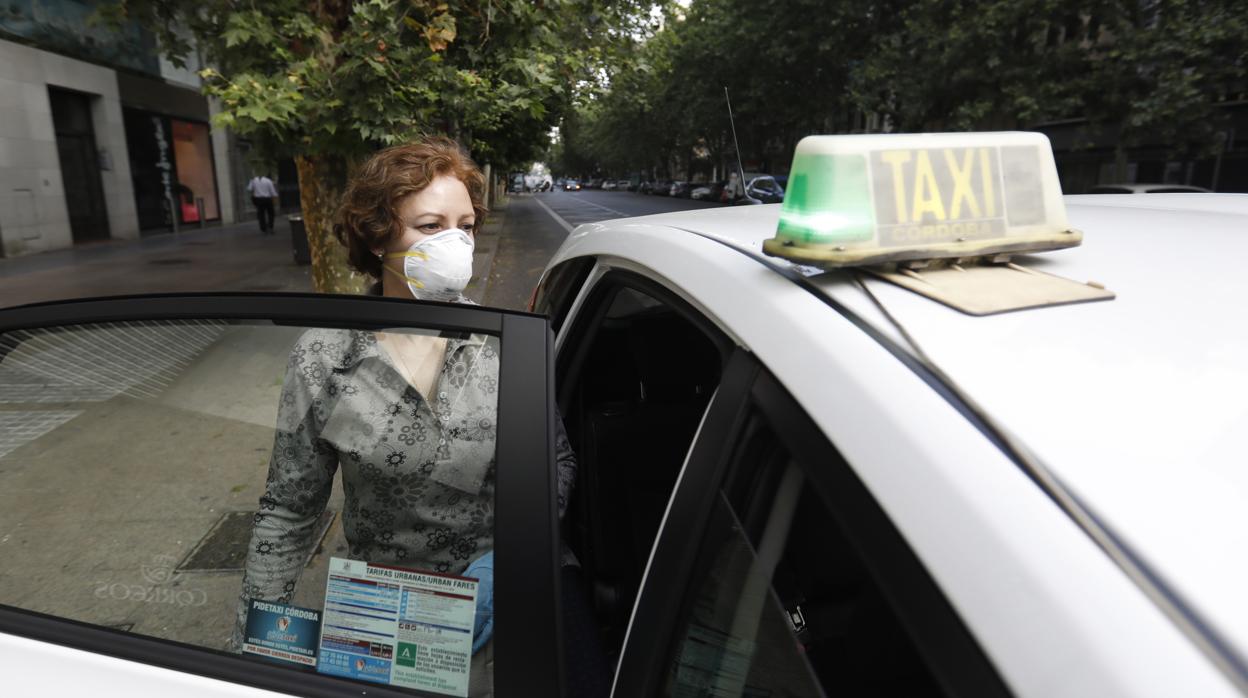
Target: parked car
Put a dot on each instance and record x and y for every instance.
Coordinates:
(608, 185)
(646, 186)
(758, 195)
(623, 185)
(707, 191)
(765, 189)
(681, 189)
(661, 187)
(1146, 189)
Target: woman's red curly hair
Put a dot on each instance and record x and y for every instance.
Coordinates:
(368, 218)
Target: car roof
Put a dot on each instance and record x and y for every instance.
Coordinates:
(1137, 404)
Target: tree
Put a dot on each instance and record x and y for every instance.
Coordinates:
(787, 69)
(1155, 72)
(970, 64)
(329, 81)
(1141, 72)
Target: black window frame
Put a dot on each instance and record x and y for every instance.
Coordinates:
(951, 652)
(558, 288)
(528, 655)
(591, 313)
(719, 419)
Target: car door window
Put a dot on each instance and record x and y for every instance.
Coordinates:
(636, 374)
(785, 605)
(794, 582)
(558, 288)
(320, 497)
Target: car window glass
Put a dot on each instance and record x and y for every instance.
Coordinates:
(558, 288)
(646, 377)
(782, 603)
(302, 493)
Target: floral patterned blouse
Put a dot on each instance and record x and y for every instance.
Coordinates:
(417, 473)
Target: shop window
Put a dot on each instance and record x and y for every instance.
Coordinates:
(192, 152)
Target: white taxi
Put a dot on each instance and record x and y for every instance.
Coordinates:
(1017, 474)
(926, 428)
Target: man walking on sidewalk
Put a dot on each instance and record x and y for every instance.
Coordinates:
(263, 195)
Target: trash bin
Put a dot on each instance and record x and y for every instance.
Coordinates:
(299, 240)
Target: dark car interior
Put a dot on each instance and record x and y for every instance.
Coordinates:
(631, 403)
(825, 595)
(850, 633)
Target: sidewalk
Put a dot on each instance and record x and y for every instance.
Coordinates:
(226, 258)
(526, 238)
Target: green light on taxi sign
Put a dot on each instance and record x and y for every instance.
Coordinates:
(828, 200)
(867, 199)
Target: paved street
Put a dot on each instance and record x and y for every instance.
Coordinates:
(538, 223)
(591, 206)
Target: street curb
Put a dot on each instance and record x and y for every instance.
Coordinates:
(486, 248)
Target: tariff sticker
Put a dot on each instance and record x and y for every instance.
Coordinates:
(399, 626)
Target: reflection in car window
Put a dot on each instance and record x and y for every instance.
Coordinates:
(409, 420)
(558, 288)
(784, 604)
(738, 640)
(132, 458)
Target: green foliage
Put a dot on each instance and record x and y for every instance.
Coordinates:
(1141, 72)
(1157, 71)
(337, 78)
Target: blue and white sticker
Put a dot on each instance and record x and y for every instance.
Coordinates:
(404, 627)
(282, 633)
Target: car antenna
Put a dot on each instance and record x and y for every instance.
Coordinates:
(737, 148)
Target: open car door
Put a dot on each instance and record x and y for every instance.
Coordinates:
(154, 450)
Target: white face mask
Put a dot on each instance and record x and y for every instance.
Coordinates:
(438, 267)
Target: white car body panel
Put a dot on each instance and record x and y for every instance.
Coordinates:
(33, 668)
(1136, 404)
(1054, 613)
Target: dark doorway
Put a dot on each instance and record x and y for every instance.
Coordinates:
(80, 166)
(151, 169)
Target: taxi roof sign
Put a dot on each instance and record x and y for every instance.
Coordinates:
(870, 199)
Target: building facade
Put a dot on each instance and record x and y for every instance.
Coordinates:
(100, 138)
(1087, 157)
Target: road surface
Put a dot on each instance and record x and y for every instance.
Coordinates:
(538, 223)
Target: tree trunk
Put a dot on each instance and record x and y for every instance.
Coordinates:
(321, 183)
(489, 186)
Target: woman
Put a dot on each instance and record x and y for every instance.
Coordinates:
(407, 417)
